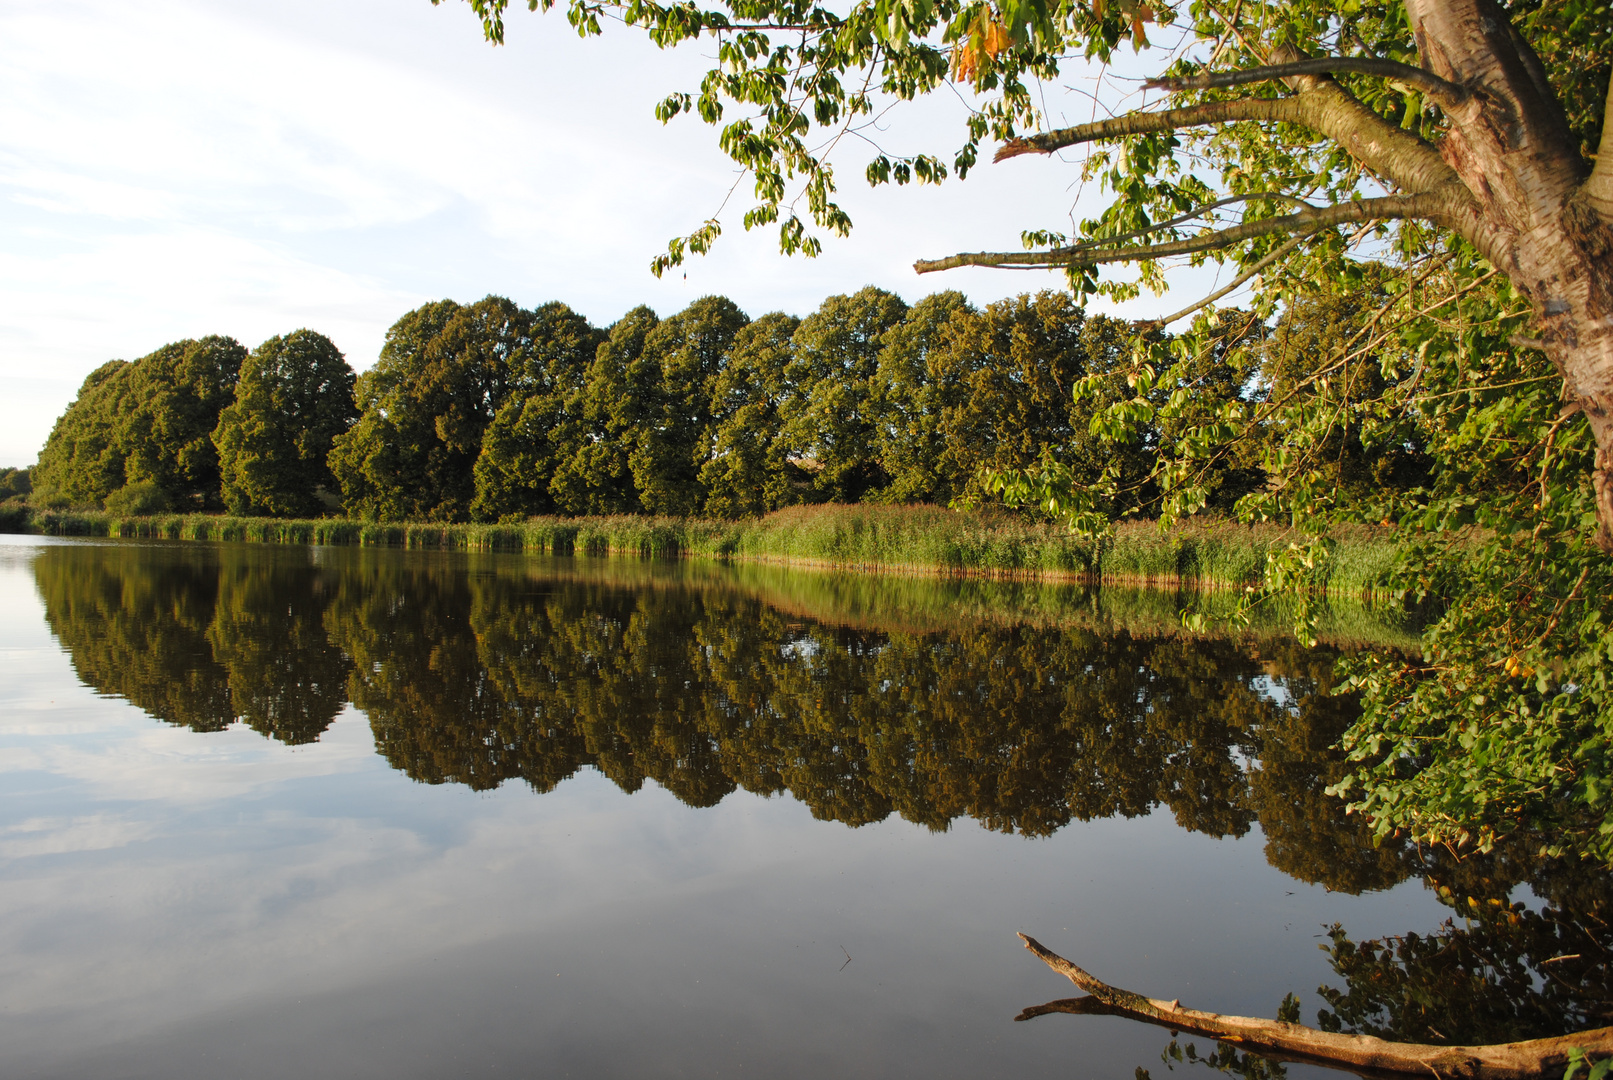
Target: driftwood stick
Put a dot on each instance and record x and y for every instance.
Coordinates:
(1091, 1006)
(1503, 1061)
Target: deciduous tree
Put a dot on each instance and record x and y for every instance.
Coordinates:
(617, 400)
(147, 423)
(685, 354)
(293, 398)
(832, 423)
(749, 471)
(442, 376)
(534, 429)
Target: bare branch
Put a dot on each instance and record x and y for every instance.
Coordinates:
(1428, 204)
(1435, 87)
(1146, 123)
(1239, 280)
(1275, 196)
(1508, 1061)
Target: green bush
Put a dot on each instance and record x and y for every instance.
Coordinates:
(137, 500)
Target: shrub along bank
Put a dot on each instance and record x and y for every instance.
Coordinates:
(911, 539)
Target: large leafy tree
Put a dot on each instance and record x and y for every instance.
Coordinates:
(147, 424)
(1462, 143)
(832, 425)
(442, 376)
(174, 398)
(749, 470)
(533, 429)
(914, 387)
(688, 352)
(294, 397)
(82, 461)
(617, 401)
(1016, 365)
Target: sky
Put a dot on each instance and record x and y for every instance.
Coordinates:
(179, 168)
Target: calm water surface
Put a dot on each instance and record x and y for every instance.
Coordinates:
(278, 811)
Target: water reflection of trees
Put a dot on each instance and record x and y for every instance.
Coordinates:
(202, 637)
(484, 677)
(480, 678)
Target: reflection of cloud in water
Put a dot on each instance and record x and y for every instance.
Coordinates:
(58, 836)
(411, 918)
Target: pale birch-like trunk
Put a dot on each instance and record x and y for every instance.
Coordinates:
(1534, 208)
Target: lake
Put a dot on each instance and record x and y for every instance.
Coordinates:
(273, 811)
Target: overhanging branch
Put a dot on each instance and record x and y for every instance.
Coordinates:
(1147, 123)
(1236, 282)
(1427, 204)
(1441, 90)
(1253, 196)
(1319, 104)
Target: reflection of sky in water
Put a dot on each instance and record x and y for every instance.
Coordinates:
(175, 904)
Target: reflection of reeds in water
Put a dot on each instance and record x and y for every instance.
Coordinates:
(914, 539)
(933, 604)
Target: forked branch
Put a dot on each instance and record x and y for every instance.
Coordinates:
(1319, 103)
(1303, 223)
(1441, 90)
(1503, 1061)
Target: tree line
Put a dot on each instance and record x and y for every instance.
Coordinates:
(490, 411)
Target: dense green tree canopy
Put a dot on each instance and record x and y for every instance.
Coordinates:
(538, 423)
(685, 354)
(913, 389)
(618, 400)
(294, 397)
(750, 471)
(443, 374)
(1016, 365)
(150, 423)
(832, 423)
(14, 483)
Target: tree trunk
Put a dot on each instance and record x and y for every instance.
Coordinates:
(1538, 214)
(1363, 1054)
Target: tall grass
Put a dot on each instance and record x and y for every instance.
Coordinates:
(911, 539)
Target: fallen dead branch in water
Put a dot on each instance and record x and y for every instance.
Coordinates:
(1296, 1042)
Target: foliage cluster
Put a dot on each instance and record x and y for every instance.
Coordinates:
(202, 425)
(492, 412)
(14, 484)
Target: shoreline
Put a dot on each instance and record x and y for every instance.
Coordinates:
(1197, 556)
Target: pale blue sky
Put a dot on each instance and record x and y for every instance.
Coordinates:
(185, 167)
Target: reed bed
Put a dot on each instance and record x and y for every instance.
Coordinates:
(904, 539)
